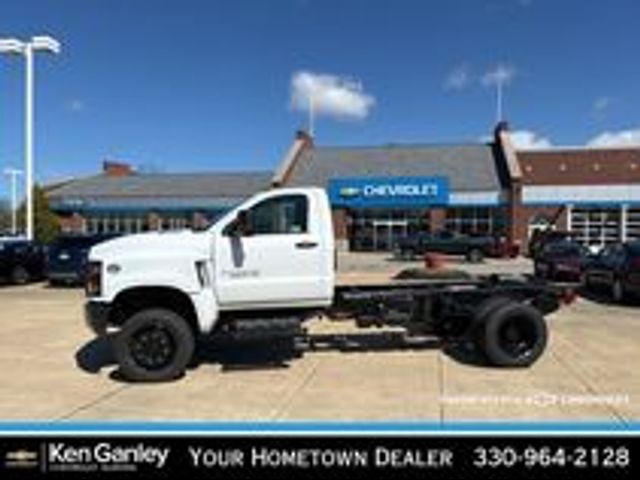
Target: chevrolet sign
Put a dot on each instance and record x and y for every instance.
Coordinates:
(388, 191)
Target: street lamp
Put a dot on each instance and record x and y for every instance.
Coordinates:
(13, 173)
(18, 47)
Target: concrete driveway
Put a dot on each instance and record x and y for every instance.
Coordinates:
(53, 369)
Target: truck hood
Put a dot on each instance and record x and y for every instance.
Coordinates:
(159, 244)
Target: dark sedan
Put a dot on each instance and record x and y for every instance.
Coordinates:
(67, 258)
(617, 270)
(561, 261)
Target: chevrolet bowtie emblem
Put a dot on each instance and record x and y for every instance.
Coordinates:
(21, 459)
(349, 192)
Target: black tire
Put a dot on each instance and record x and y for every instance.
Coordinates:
(537, 272)
(20, 275)
(475, 255)
(482, 312)
(154, 345)
(515, 335)
(618, 292)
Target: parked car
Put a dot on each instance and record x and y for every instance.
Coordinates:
(21, 260)
(67, 258)
(542, 237)
(474, 248)
(616, 269)
(561, 261)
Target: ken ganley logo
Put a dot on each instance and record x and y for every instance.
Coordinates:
(105, 456)
(21, 459)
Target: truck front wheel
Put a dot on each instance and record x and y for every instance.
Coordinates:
(515, 335)
(154, 345)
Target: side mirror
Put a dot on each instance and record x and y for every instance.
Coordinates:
(242, 224)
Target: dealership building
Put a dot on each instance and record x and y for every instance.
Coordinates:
(381, 193)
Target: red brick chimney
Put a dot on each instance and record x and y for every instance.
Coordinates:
(116, 169)
(517, 226)
(301, 142)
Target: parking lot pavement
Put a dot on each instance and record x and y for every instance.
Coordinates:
(53, 369)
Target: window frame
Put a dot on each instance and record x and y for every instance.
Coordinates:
(228, 229)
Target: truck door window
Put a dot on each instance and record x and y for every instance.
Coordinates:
(280, 215)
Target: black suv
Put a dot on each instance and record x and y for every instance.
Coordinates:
(540, 238)
(616, 269)
(21, 261)
(67, 258)
(561, 260)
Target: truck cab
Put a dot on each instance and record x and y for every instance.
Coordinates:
(274, 252)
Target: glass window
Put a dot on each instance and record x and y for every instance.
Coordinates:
(381, 229)
(280, 215)
(633, 224)
(476, 220)
(597, 227)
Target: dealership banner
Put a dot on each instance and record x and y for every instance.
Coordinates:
(305, 456)
(388, 192)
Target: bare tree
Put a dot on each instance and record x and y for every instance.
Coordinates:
(5, 217)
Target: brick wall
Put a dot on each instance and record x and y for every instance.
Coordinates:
(580, 166)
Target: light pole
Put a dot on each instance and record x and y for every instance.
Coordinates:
(312, 113)
(14, 46)
(13, 173)
(499, 87)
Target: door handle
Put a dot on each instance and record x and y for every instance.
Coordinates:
(306, 244)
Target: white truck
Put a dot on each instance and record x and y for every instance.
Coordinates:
(269, 265)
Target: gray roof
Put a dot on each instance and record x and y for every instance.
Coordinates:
(167, 185)
(468, 167)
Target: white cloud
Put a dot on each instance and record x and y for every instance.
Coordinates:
(529, 140)
(600, 107)
(459, 78)
(76, 105)
(621, 138)
(501, 73)
(332, 95)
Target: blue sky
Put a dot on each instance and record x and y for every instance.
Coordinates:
(184, 85)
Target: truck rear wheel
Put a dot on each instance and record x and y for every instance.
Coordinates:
(485, 309)
(515, 335)
(154, 345)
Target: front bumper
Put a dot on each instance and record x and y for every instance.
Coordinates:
(96, 316)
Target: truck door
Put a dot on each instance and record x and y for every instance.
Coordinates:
(279, 261)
